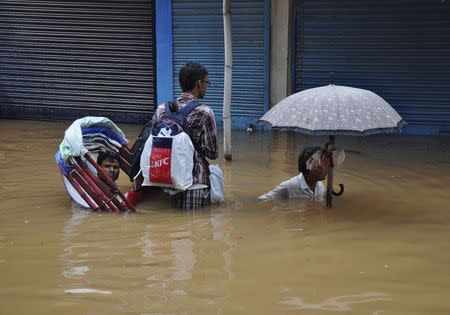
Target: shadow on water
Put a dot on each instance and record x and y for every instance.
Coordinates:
(382, 249)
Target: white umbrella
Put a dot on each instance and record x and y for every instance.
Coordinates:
(334, 110)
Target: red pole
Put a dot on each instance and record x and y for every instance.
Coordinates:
(127, 148)
(106, 190)
(81, 192)
(94, 186)
(97, 191)
(88, 189)
(109, 181)
(125, 153)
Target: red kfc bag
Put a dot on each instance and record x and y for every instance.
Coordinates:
(167, 158)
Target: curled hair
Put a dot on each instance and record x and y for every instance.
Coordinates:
(190, 73)
(108, 155)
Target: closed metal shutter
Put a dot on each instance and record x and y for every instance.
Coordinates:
(198, 36)
(398, 49)
(65, 59)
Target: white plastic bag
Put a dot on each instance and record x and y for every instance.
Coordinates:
(179, 165)
(217, 193)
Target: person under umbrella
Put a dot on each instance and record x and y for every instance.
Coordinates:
(313, 164)
(334, 110)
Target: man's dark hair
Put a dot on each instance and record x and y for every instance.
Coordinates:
(108, 155)
(190, 73)
(304, 156)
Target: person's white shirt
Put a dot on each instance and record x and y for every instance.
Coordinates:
(296, 187)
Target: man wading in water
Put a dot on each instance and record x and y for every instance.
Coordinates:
(194, 82)
(109, 161)
(313, 165)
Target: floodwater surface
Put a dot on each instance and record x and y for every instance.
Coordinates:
(384, 248)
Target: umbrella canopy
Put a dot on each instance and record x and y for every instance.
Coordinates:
(334, 110)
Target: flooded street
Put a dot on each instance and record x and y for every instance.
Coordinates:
(382, 249)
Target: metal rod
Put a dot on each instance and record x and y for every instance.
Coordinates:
(125, 152)
(93, 190)
(89, 190)
(83, 194)
(109, 181)
(329, 195)
(126, 148)
(96, 189)
(103, 187)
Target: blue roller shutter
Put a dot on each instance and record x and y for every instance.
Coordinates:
(65, 59)
(398, 49)
(198, 35)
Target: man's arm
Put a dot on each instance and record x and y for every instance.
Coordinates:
(204, 132)
(209, 137)
(279, 192)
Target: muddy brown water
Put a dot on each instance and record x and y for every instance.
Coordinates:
(384, 248)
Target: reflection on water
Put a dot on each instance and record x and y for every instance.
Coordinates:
(338, 303)
(382, 249)
(72, 267)
(84, 291)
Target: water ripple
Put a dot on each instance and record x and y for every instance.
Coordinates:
(86, 290)
(338, 303)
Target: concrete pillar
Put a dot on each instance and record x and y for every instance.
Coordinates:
(279, 50)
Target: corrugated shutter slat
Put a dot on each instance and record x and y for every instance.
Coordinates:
(65, 59)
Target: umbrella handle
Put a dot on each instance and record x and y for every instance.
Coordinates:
(341, 190)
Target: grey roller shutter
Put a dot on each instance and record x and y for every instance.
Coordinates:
(66, 59)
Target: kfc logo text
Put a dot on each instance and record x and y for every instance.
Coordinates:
(159, 163)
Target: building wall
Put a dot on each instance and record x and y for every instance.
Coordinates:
(279, 50)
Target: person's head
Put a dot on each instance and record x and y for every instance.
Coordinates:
(313, 163)
(193, 78)
(109, 161)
